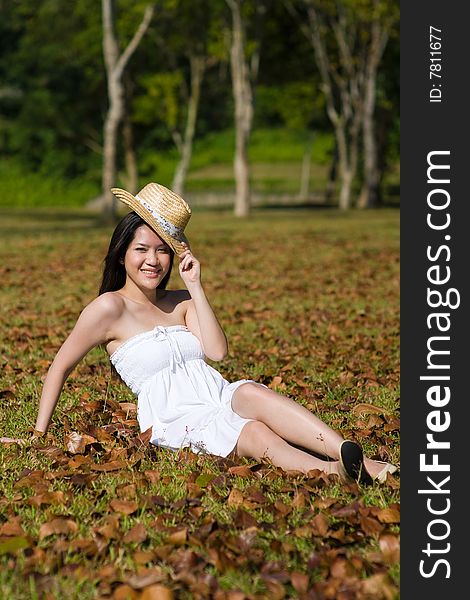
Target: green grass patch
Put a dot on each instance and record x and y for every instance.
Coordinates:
(276, 157)
(22, 188)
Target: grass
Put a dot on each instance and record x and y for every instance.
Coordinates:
(307, 296)
(211, 169)
(275, 160)
(25, 188)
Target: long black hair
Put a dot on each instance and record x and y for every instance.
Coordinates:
(114, 272)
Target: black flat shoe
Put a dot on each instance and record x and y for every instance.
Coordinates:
(351, 459)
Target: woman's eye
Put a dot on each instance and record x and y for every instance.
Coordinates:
(163, 250)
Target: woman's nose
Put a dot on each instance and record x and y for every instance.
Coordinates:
(152, 258)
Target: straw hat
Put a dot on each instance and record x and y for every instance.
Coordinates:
(165, 212)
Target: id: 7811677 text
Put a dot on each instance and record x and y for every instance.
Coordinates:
(435, 64)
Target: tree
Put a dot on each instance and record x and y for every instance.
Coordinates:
(243, 76)
(347, 45)
(185, 143)
(192, 25)
(383, 17)
(115, 64)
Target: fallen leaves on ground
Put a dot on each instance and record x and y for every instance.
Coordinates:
(91, 510)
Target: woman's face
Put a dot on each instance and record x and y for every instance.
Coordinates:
(147, 259)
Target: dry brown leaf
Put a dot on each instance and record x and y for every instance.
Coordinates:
(125, 592)
(298, 501)
(320, 525)
(370, 526)
(108, 573)
(12, 528)
(143, 557)
(378, 587)
(247, 538)
(145, 578)
(156, 592)
(76, 443)
(390, 546)
(282, 508)
(392, 425)
(127, 490)
(78, 461)
(342, 569)
(243, 520)
(299, 582)
(32, 479)
(367, 409)
(194, 490)
(125, 507)
(137, 534)
(275, 382)
(152, 476)
(241, 471)
(110, 529)
(303, 532)
(255, 495)
(235, 498)
(388, 515)
(276, 591)
(374, 421)
(324, 502)
(179, 537)
(128, 406)
(57, 526)
(47, 498)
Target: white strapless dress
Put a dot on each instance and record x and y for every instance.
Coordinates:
(183, 399)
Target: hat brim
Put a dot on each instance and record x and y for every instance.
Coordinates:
(131, 201)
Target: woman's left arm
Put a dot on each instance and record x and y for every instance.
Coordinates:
(200, 315)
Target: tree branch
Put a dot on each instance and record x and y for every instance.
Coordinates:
(135, 41)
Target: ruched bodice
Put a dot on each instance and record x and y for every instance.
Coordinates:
(184, 400)
(147, 353)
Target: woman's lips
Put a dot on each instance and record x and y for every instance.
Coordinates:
(151, 274)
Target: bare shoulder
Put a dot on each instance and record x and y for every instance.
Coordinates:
(108, 306)
(96, 321)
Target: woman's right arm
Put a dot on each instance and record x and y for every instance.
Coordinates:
(91, 329)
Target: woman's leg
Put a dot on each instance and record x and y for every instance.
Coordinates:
(292, 422)
(289, 419)
(258, 441)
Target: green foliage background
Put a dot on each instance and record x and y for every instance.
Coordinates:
(53, 98)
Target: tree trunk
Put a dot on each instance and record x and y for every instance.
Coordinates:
(344, 118)
(132, 174)
(346, 175)
(370, 193)
(197, 72)
(332, 177)
(341, 76)
(305, 172)
(111, 125)
(115, 65)
(243, 99)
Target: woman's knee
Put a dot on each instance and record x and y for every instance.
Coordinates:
(249, 389)
(254, 439)
(244, 396)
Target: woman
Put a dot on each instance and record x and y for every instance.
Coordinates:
(157, 340)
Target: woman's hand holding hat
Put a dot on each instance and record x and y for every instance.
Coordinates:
(189, 267)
